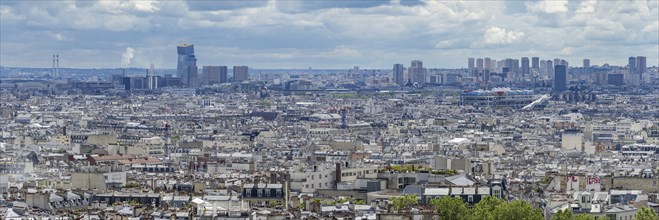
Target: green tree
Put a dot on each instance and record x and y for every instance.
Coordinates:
(562, 215)
(646, 214)
(484, 210)
(517, 210)
(405, 201)
(450, 208)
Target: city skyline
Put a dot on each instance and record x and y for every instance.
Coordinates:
(324, 34)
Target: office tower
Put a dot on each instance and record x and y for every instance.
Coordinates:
(399, 74)
(487, 63)
(535, 63)
(192, 79)
(416, 72)
(640, 67)
(632, 65)
(525, 67)
(186, 67)
(560, 78)
(586, 63)
(212, 74)
(240, 73)
(565, 63)
(479, 63)
(223, 74)
(557, 61)
(471, 64)
(543, 67)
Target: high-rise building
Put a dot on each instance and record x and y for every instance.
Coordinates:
(535, 63)
(586, 63)
(471, 64)
(399, 74)
(186, 67)
(632, 65)
(479, 63)
(223, 74)
(640, 67)
(550, 68)
(560, 78)
(525, 67)
(487, 63)
(416, 72)
(240, 73)
(212, 74)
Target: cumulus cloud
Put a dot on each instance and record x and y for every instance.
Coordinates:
(496, 35)
(547, 6)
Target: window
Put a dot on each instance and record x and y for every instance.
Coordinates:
(497, 193)
(470, 199)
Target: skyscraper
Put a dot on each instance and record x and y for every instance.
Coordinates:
(640, 67)
(525, 67)
(560, 78)
(586, 63)
(535, 63)
(240, 73)
(479, 63)
(212, 74)
(471, 64)
(550, 68)
(186, 67)
(223, 74)
(416, 72)
(632, 65)
(399, 74)
(487, 63)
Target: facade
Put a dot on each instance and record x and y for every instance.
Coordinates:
(641, 67)
(416, 73)
(240, 73)
(560, 78)
(186, 67)
(615, 79)
(213, 74)
(471, 64)
(399, 74)
(586, 63)
(535, 63)
(525, 67)
(498, 97)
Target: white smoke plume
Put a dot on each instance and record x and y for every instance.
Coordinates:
(127, 57)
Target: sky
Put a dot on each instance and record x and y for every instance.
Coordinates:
(337, 34)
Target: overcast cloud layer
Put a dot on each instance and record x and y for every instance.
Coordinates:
(324, 34)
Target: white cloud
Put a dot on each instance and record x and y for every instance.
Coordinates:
(294, 33)
(587, 6)
(496, 35)
(547, 6)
